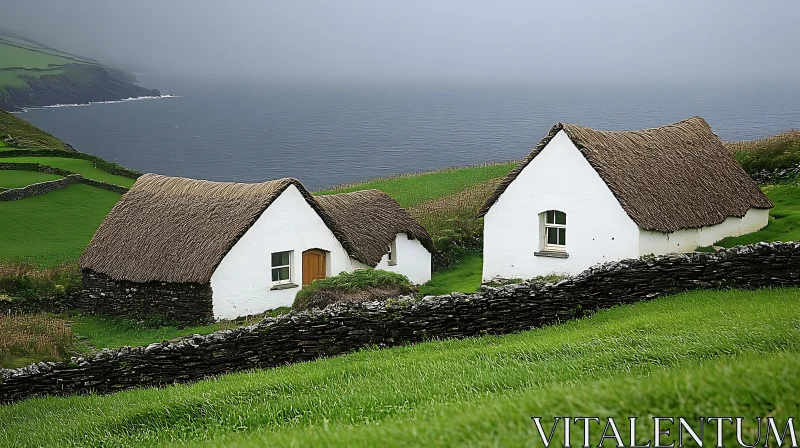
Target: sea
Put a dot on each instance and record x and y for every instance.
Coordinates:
(327, 134)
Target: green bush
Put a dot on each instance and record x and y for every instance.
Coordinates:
(361, 285)
(25, 287)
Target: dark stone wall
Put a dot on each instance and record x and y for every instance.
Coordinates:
(161, 302)
(338, 329)
(36, 189)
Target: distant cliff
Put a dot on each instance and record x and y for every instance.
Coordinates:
(72, 85)
(33, 75)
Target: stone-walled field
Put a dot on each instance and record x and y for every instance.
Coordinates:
(339, 329)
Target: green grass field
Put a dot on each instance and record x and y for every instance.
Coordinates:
(410, 190)
(464, 276)
(696, 354)
(80, 166)
(17, 179)
(13, 56)
(54, 227)
(784, 224)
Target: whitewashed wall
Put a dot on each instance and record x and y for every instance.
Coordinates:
(559, 178)
(413, 260)
(688, 240)
(242, 281)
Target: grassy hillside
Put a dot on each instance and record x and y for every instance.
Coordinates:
(54, 227)
(697, 354)
(83, 167)
(26, 134)
(18, 179)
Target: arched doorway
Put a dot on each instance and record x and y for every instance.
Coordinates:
(313, 265)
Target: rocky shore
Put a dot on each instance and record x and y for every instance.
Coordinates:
(94, 83)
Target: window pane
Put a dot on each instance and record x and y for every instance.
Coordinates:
(562, 237)
(279, 274)
(561, 218)
(550, 219)
(280, 258)
(552, 236)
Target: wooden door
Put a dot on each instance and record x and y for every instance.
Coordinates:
(313, 265)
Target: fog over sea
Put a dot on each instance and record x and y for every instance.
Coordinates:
(328, 134)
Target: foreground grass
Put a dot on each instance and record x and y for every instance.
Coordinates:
(784, 223)
(80, 166)
(413, 189)
(703, 353)
(18, 179)
(463, 276)
(54, 227)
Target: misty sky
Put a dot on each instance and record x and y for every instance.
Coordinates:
(694, 40)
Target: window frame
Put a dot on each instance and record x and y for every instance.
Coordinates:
(391, 253)
(547, 246)
(273, 268)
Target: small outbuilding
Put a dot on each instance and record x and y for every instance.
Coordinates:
(186, 250)
(584, 196)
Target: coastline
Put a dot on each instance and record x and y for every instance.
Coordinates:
(90, 103)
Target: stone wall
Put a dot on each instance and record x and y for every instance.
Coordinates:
(338, 329)
(161, 302)
(36, 189)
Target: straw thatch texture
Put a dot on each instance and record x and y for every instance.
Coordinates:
(174, 229)
(668, 178)
(370, 219)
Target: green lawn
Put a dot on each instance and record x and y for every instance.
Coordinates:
(695, 354)
(54, 227)
(18, 179)
(464, 276)
(784, 223)
(413, 189)
(80, 166)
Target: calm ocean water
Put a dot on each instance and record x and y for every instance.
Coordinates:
(328, 135)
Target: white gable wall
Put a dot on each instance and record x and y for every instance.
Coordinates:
(242, 282)
(413, 260)
(559, 178)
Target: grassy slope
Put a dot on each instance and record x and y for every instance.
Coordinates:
(54, 227)
(80, 166)
(27, 134)
(15, 56)
(784, 224)
(701, 353)
(17, 179)
(411, 190)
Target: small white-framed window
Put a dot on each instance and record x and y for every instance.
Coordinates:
(282, 267)
(391, 253)
(555, 230)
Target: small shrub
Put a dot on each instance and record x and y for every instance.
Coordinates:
(777, 156)
(32, 288)
(361, 285)
(26, 338)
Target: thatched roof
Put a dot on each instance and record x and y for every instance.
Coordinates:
(668, 178)
(370, 219)
(174, 229)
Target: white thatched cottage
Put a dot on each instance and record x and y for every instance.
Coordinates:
(187, 250)
(583, 197)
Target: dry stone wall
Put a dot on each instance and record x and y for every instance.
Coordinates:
(162, 302)
(338, 329)
(36, 189)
